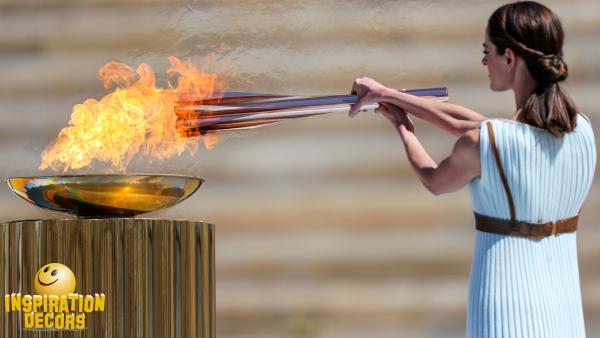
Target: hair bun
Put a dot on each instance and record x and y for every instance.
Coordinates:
(553, 68)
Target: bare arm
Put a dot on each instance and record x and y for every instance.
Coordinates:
(451, 118)
(452, 173)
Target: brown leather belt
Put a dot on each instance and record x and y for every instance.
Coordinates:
(513, 227)
(524, 229)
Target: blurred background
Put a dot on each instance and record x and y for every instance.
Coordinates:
(322, 228)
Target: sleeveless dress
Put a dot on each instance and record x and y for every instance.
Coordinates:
(524, 287)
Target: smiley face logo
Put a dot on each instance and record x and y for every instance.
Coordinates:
(54, 279)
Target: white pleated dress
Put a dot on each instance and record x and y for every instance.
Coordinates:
(523, 287)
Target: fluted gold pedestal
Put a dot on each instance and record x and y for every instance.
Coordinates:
(157, 275)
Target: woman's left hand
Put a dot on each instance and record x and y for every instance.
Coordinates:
(368, 91)
(397, 116)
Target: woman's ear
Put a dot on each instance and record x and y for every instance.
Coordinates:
(510, 58)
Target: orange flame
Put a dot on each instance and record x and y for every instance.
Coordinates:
(137, 117)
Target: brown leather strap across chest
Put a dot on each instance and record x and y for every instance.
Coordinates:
(513, 227)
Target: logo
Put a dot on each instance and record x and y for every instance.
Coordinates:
(54, 279)
(56, 306)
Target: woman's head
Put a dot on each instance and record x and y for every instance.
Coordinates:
(530, 33)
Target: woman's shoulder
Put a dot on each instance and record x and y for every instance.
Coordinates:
(513, 123)
(584, 127)
(508, 122)
(585, 117)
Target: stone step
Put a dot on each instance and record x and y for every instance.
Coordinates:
(348, 297)
(31, 32)
(28, 5)
(343, 297)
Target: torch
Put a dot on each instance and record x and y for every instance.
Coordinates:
(236, 111)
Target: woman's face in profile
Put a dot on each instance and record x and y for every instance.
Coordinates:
(496, 64)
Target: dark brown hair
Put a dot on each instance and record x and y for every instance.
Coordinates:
(535, 33)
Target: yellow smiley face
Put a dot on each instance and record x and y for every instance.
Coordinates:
(54, 279)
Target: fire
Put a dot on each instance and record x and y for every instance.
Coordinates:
(137, 117)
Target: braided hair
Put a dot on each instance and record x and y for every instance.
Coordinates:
(535, 33)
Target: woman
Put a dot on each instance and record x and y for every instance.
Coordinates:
(528, 177)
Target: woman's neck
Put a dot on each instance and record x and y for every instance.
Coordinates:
(523, 86)
(522, 95)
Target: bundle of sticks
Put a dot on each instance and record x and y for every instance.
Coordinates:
(239, 110)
